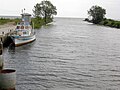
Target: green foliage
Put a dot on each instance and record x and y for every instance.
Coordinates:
(38, 22)
(45, 10)
(4, 21)
(16, 20)
(97, 13)
(111, 23)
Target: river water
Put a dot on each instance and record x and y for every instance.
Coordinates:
(69, 54)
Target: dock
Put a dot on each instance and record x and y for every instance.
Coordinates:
(5, 31)
(7, 76)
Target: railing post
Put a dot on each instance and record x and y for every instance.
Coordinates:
(1, 57)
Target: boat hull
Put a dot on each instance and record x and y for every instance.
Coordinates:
(21, 41)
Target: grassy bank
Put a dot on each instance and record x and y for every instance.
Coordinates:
(38, 22)
(108, 22)
(5, 21)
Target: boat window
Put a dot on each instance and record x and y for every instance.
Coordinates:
(20, 33)
(26, 27)
(24, 33)
(18, 27)
(30, 27)
(22, 27)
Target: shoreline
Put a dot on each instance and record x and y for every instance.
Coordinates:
(107, 22)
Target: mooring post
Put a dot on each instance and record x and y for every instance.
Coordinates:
(7, 76)
(2, 33)
(1, 57)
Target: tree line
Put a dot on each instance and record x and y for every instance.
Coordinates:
(97, 16)
(43, 13)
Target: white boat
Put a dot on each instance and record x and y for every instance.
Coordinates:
(24, 33)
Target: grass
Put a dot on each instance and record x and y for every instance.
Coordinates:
(38, 22)
(110, 23)
(5, 21)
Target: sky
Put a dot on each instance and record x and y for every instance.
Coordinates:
(65, 8)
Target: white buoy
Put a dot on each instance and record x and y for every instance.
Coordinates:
(7, 79)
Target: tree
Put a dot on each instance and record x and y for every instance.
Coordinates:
(97, 13)
(45, 10)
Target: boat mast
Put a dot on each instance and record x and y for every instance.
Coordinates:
(24, 18)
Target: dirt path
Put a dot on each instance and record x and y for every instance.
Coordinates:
(7, 27)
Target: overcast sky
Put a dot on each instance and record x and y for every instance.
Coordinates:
(65, 8)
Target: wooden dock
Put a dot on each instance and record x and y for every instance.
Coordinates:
(5, 32)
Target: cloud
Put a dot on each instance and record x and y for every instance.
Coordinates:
(65, 8)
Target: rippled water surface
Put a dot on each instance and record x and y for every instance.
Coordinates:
(68, 55)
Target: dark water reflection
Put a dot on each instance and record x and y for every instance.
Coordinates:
(68, 55)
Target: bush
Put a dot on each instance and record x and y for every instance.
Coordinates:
(105, 22)
(118, 25)
(111, 23)
(38, 22)
(16, 20)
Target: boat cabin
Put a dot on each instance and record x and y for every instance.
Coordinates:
(26, 17)
(24, 28)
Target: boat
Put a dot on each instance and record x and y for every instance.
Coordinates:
(24, 32)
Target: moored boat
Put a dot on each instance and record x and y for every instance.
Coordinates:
(24, 32)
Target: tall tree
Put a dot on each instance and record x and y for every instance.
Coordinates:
(45, 9)
(97, 13)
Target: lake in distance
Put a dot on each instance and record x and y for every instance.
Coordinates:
(69, 54)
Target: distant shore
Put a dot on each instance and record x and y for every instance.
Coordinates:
(107, 22)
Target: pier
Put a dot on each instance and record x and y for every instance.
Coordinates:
(5, 31)
(7, 76)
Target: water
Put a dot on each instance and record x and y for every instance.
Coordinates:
(68, 55)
